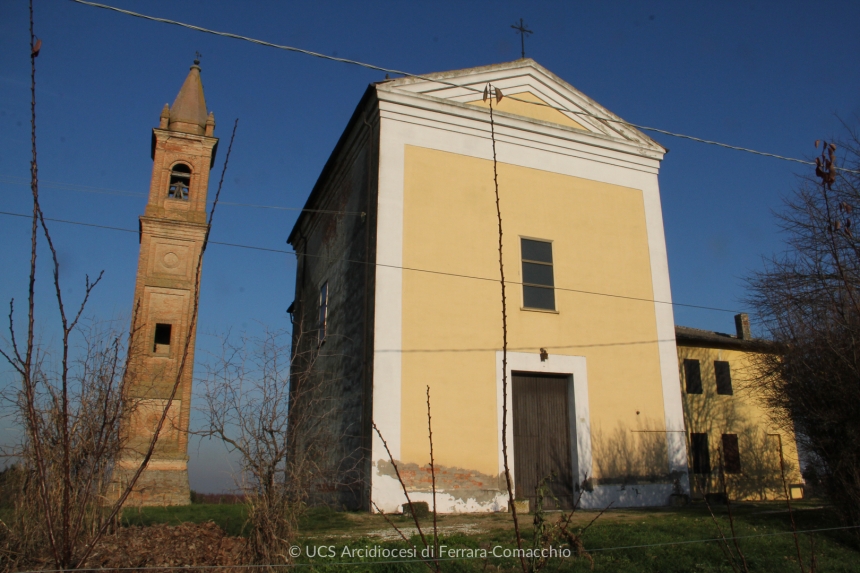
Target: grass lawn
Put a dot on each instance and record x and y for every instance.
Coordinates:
(614, 542)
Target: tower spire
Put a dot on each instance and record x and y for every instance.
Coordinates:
(188, 112)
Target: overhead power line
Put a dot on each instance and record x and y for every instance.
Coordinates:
(70, 187)
(448, 83)
(123, 193)
(414, 269)
(136, 231)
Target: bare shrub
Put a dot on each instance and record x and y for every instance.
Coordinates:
(556, 533)
(71, 416)
(278, 425)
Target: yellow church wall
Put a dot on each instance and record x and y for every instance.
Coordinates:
(715, 414)
(541, 112)
(451, 326)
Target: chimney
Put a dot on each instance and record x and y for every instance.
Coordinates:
(742, 325)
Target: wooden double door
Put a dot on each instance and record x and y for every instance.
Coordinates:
(542, 437)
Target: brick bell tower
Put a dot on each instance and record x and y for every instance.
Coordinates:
(172, 231)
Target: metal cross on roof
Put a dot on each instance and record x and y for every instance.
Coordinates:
(522, 30)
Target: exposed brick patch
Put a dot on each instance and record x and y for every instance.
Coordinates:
(458, 482)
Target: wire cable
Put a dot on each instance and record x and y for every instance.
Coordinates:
(398, 267)
(443, 82)
(67, 222)
(123, 193)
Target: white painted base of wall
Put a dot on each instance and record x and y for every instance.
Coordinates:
(648, 495)
(446, 503)
(387, 494)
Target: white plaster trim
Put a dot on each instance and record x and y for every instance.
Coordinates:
(419, 106)
(531, 138)
(575, 367)
(539, 151)
(673, 407)
(389, 296)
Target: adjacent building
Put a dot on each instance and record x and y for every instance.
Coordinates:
(733, 445)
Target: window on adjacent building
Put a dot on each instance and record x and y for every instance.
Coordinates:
(323, 311)
(700, 454)
(693, 376)
(161, 342)
(724, 377)
(538, 285)
(180, 182)
(731, 454)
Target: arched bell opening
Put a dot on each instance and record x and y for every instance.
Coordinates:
(180, 182)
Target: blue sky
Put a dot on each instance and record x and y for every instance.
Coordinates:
(773, 76)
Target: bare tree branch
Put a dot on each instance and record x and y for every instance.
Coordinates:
(495, 93)
(806, 300)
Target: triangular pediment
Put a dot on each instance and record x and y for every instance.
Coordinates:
(530, 91)
(527, 104)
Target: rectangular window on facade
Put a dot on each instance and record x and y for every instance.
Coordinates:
(724, 377)
(731, 454)
(161, 344)
(323, 311)
(693, 376)
(538, 285)
(700, 453)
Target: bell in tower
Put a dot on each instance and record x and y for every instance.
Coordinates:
(161, 359)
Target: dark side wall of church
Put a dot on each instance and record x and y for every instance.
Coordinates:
(336, 246)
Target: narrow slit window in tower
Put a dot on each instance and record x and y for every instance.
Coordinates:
(161, 345)
(180, 182)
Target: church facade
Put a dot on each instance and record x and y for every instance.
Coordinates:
(398, 291)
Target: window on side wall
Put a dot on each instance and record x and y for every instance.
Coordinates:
(538, 284)
(700, 454)
(724, 377)
(731, 454)
(693, 376)
(323, 318)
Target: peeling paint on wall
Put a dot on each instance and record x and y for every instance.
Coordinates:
(458, 490)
